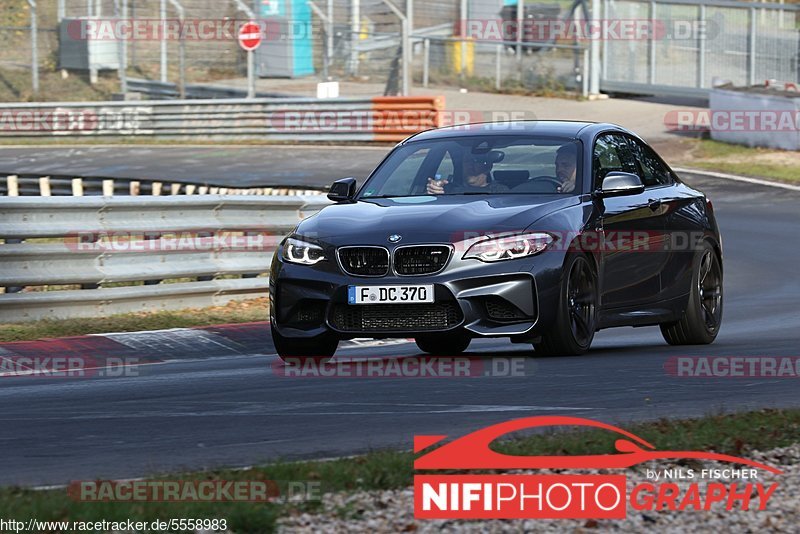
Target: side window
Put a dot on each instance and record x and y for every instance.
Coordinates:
(611, 153)
(446, 169)
(654, 172)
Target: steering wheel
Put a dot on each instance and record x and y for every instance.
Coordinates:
(549, 179)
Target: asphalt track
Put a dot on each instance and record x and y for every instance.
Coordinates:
(230, 166)
(236, 411)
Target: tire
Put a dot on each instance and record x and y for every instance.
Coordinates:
(576, 317)
(703, 315)
(297, 351)
(443, 344)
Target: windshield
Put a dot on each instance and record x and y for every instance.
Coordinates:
(478, 166)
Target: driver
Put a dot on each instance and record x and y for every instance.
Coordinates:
(476, 171)
(566, 167)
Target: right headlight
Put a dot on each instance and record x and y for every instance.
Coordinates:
(509, 247)
(302, 252)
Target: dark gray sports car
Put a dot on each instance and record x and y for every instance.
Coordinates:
(542, 232)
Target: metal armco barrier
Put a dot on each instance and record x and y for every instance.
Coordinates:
(98, 241)
(380, 119)
(14, 185)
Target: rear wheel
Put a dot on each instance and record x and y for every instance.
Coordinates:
(703, 316)
(443, 344)
(576, 320)
(297, 351)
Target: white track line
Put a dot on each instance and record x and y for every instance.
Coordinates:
(737, 178)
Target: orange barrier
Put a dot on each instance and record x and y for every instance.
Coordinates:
(397, 117)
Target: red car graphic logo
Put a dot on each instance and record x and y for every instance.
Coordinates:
(473, 450)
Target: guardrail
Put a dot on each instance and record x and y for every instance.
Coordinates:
(379, 119)
(15, 185)
(170, 91)
(97, 256)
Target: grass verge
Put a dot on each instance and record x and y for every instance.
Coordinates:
(778, 165)
(245, 311)
(728, 433)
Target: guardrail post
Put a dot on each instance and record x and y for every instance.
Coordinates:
(13, 185)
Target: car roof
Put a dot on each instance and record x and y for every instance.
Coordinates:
(543, 128)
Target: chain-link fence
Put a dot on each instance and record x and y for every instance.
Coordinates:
(701, 42)
(167, 46)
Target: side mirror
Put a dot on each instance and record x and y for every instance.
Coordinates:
(620, 184)
(342, 190)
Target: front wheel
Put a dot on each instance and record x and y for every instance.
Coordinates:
(576, 320)
(297, 351)
(443, 344)
(703, 316)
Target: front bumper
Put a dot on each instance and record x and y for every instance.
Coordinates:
(514, 298)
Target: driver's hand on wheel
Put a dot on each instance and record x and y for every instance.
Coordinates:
(436, 187)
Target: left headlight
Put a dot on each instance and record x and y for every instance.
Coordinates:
(302, 252)
(509, 247)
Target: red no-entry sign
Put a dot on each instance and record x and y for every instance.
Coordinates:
(250, 36)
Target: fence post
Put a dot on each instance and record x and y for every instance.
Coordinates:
(426, 61)
(405, 43)
(604, 58)
(251, 55)
(329, 37)
(585, 74)
(462, 12)
(651, 48)
(122, 54)
(594, 52)
(520, 30)
(163, 18)
(701, 46)
(751, 49)
(181, 49)
(355, 30)
(328, 25)
(34, 48)
(498, 68)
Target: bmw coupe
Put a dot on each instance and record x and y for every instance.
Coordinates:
(540, 232)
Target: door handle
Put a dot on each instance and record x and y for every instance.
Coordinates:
(654, 204)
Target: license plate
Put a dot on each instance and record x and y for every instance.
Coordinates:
(389, 294)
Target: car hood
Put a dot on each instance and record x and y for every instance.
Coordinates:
(429, 218)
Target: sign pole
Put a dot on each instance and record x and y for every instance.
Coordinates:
(249, 40)
(251, 74)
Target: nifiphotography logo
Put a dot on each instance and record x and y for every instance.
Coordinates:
(573, 496)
